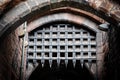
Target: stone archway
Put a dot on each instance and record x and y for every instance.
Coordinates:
(25, 10)
(12, 20)
(57, 70)
(70, 18)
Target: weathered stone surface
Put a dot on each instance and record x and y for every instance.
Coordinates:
(116, 14)
(10, 57)
(23, 9)
(17, 12)
(93, 3)
(42, 3)
(112, 57)
(64, 17)
(4, 2)
(106, 6)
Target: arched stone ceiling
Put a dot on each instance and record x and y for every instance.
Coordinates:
(67, 17)
(25, 10)
(111, 6)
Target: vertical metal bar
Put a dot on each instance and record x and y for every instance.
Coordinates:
(50, 54)
(58, 46)
(66, 47)
(23, 50)
(35, 45)
(89, 52)
(43, 52)
(81, 60)
(96, 78)
(74, 60)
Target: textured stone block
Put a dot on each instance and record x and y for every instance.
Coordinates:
(32, 4)
(116, 14)
(18, 11)
(42, 3)
(106, 6)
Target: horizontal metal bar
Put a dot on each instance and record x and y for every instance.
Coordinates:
(48, 44)
(62, 58)
(69, 50)
(69, 37)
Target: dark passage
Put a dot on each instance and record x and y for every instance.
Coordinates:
(62, 72)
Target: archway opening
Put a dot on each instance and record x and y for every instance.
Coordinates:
(62, 72)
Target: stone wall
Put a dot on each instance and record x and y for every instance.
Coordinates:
(112, 58)
(10, 57)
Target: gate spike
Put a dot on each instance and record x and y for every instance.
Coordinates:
(42, 65)
(42, 62)
(89, 64)
(66, 63)
(74, 63)
(82, 62)
(58, 62)
(66, 59)
(82, 65)
(36, 64)
(50, 63)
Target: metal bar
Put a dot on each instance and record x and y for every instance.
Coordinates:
(74, 60)
(50, 54)
(63, 58)
(89, 52)
(35, 47)
(66, 47)
(22, 56)
(43, 53)
(58, 47)
(81, 38)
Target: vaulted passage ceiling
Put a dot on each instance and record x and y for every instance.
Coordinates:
(109, 7)
(8, 4)
(103, 8)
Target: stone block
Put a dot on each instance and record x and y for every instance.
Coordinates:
(18, 11)
(116, 14)
(106, 6)
(32, 4)
(42, 3)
